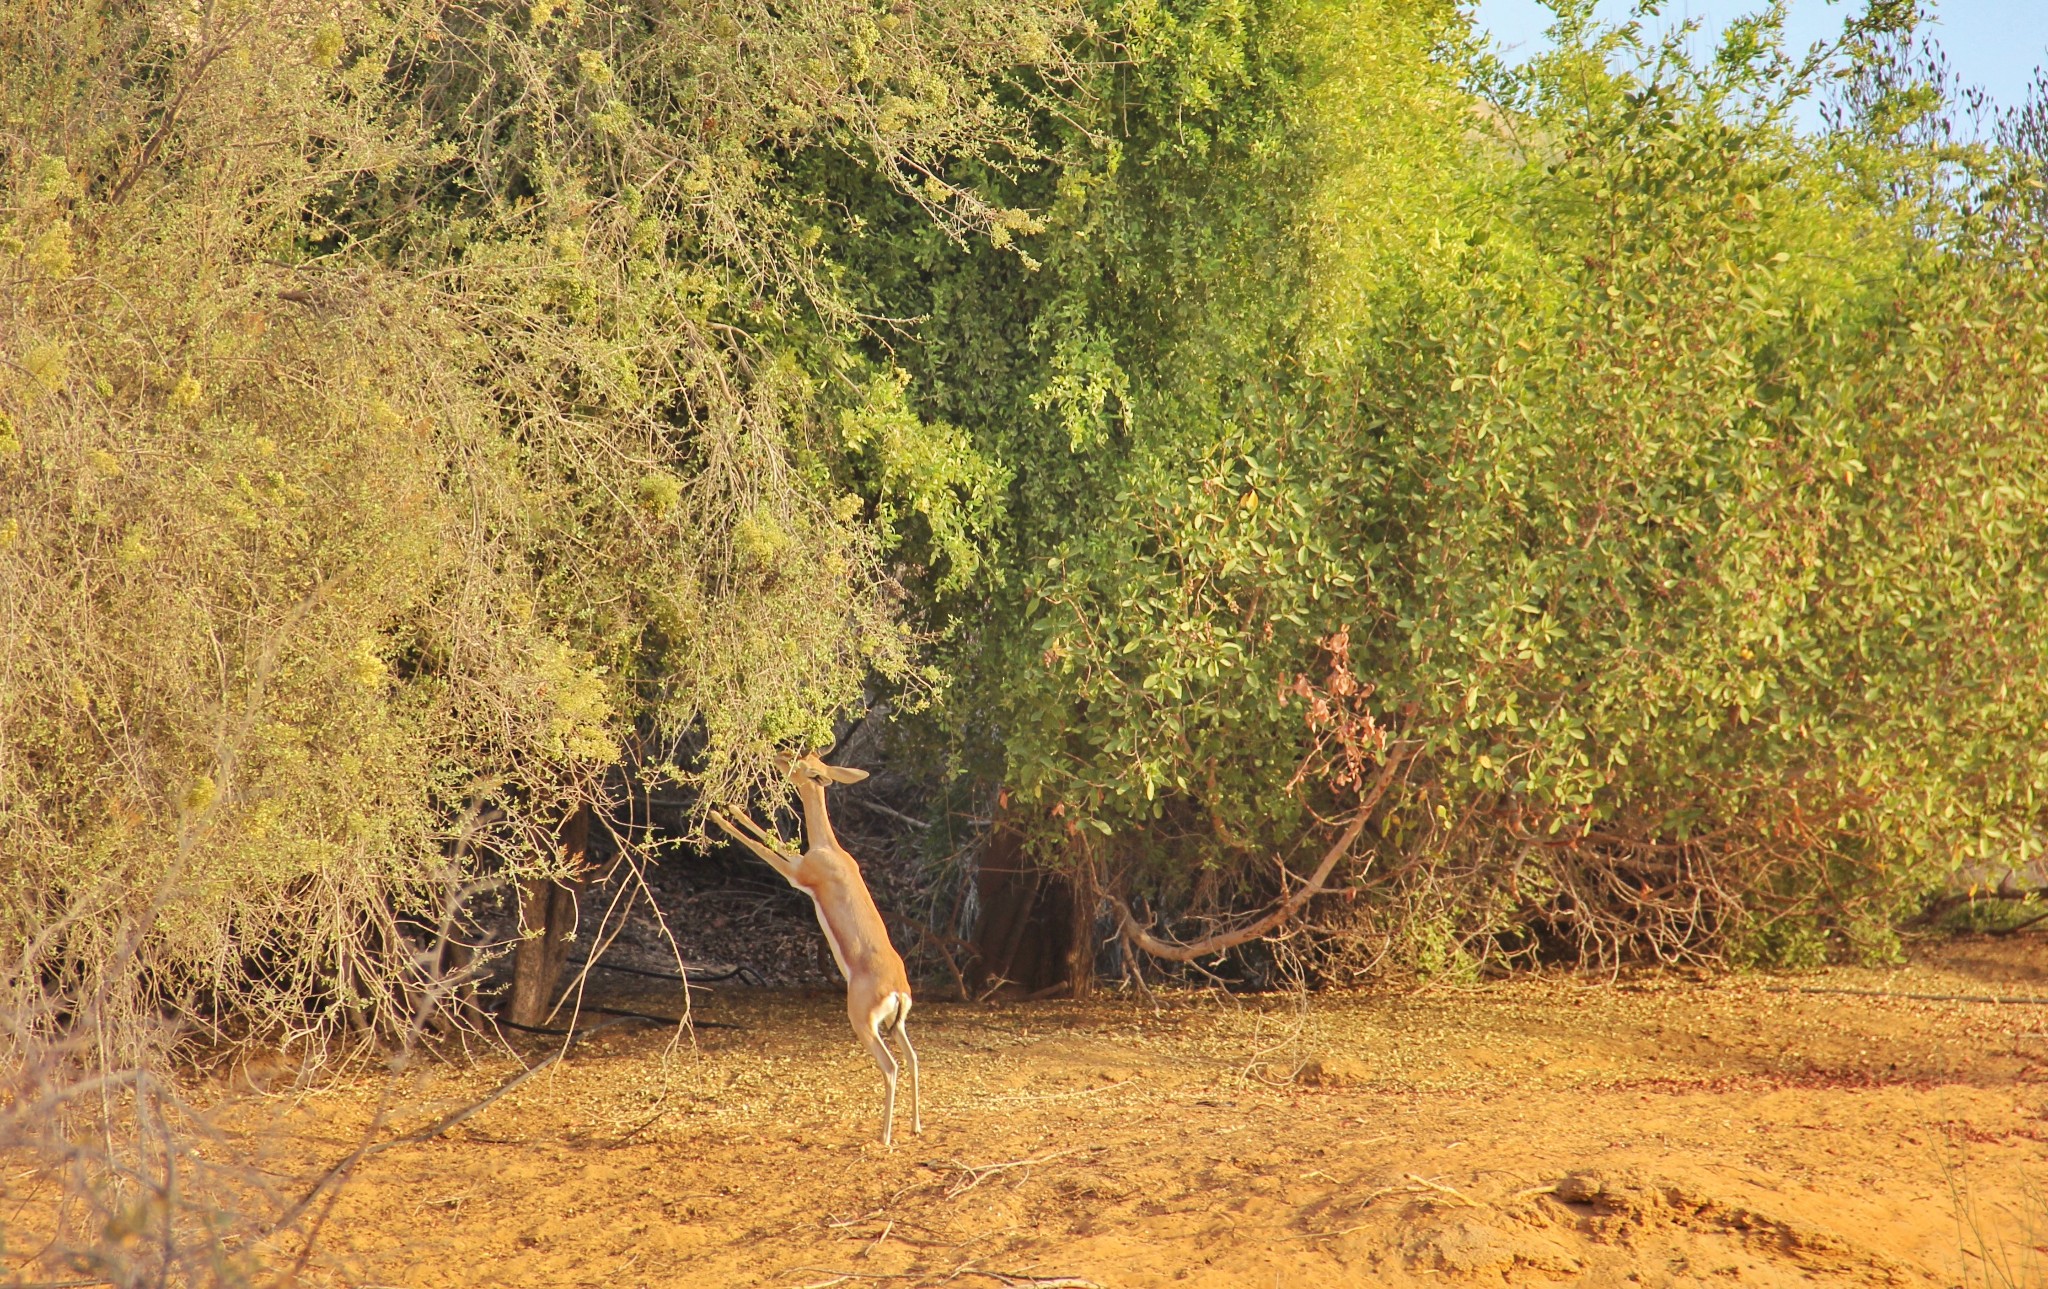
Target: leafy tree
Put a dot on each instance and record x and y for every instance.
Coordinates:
(1654, 487)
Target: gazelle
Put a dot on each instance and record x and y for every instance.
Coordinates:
(877, 989)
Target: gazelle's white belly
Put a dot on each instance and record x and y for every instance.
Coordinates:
(832, 939)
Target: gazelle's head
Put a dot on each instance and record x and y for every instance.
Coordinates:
(808, 769)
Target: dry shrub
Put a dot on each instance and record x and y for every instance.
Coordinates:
(407, 414)
(261, 642)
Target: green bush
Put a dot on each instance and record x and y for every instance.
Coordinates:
(1671, 482)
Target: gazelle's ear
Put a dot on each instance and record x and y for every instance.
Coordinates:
(844, 773)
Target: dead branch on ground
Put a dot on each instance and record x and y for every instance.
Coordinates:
(973, 1175)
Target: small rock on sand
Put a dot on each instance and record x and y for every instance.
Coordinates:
(1334, 1072)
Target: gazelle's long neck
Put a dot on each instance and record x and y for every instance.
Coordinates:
(817, 827)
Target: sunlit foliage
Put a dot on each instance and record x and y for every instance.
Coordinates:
(409, 413)
(416, 421)
(1673, 480)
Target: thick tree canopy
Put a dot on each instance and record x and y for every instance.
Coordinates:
(406, 413)
(1229, 424)
(1662, 488)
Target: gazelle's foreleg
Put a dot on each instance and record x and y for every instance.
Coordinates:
(871, 1038)
(763, 844)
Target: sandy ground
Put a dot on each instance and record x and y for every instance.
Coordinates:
(1648, 1132)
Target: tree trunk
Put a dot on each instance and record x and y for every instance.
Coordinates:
(547, 920)
(1080, 959)
(1036, 933)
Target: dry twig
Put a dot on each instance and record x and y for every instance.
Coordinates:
(973, 1175)
(1441, 1189)
(1414, 1186)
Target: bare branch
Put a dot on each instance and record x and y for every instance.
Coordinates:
(1287, 907)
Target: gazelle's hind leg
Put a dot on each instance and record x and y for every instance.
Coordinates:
(872, 1040)
(916, 1103)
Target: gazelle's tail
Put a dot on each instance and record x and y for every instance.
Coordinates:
(889, 1017)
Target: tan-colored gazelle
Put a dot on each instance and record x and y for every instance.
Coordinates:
(877, 989)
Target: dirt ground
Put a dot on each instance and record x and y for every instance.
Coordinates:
(1648, 1132)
